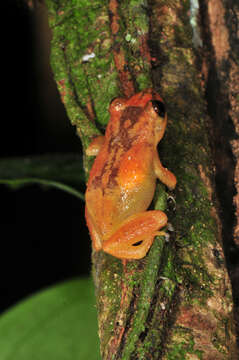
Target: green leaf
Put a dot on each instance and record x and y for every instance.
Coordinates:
(58, 323)
(62, 171)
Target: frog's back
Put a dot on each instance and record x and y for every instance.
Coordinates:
(122, 184)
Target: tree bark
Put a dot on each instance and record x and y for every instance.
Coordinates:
(176, 303)
(219, 23)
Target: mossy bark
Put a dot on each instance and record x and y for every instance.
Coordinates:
(176, 303)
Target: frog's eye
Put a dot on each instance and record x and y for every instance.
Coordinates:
(159, 107)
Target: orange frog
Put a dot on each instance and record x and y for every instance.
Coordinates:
(123, 177)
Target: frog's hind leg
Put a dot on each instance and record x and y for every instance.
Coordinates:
(135, 250)
(135, 236)
(94, 233)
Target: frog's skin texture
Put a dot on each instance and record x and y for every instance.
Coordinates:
(123, 177)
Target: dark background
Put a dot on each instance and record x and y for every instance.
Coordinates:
(43, 236)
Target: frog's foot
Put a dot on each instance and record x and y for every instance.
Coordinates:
(135, 236)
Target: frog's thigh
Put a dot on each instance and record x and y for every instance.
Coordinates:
(96, 240)
(134, 237)
(164, 175)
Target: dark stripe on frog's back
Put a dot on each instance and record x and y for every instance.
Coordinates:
(119, 145)
(131, 115)
(123, 140)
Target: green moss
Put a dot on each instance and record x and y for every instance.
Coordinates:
(108, 294)
(181, 349)
(77, 31)
(219, 343)
(143, 81)
(147, 285)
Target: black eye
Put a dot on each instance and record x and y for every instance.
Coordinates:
(159, 107)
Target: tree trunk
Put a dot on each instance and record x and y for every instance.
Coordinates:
(176, 303)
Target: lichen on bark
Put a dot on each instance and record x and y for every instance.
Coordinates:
(175, 303)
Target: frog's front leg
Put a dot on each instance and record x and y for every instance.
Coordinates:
(95, 146)
(163, 174)
(135, 235)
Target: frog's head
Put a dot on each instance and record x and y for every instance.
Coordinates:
(141, 99)
(149, 104)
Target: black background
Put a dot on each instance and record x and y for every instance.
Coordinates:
(43, 236)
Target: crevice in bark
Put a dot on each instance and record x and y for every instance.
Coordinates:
(222, 133)
(169, 319)
(128, 323)
(155, 298)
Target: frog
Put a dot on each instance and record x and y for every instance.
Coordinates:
(123, 177)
